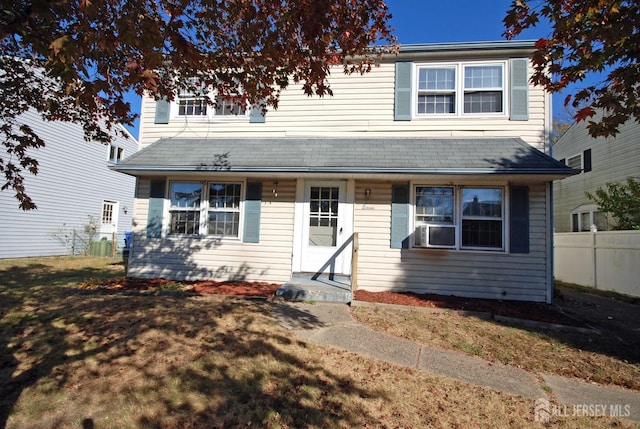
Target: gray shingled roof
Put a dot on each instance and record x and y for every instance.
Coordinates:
(351, 155)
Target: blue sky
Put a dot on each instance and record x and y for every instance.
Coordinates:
(428, 21)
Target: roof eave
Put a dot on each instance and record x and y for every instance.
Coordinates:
(140, 170)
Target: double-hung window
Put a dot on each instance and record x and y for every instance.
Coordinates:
(193, 100)
(437, 90)
(217, 203)
(185, 199)
(460, 89)
(115, 154)
(198, 101)
(482, 217)
(224, 209)
(228, 108)
(483, 88)
(459, 217)
(434, 216)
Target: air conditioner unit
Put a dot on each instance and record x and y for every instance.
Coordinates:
(441, 236)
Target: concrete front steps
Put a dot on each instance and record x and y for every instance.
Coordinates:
(313, 287)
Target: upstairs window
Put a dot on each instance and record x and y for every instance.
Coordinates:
(192, 106)
(580, 163)
(437, 90)
(575, 162)
(483, 89)
(460, 89)
(226, 107)
(197, 101)
(115, 154)
(193, 100)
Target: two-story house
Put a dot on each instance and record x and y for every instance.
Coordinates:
(78, 197)
(436, 159)
(596, 162)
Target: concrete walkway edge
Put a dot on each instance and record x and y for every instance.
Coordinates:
(332, 324)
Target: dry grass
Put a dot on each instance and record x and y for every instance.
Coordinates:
(567, 353)
(70, 358)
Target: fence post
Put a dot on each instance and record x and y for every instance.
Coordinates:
(594, 261)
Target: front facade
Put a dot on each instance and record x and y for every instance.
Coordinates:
(435, 161)
(596, 162)
(75, 191)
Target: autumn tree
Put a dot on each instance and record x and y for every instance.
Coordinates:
(588, 37)
(74, 60)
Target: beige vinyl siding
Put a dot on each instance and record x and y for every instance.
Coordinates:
(207, 258)
(613, 160)
(362, 105)
(474, 274)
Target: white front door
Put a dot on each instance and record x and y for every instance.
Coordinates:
(325, 229)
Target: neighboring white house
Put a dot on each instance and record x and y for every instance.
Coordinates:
(74, 189)
(596, 162)
(437, 159)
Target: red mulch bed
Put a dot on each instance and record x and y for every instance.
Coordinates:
(518, 309)
(521, 310)
(201, 287)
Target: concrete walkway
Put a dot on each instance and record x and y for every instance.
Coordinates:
(331, 324)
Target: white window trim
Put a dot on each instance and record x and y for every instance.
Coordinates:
(210, 94)
(591, 209)
(577, 155)
(459, 89)
(457, 216)
(119, 153)
(204, 211)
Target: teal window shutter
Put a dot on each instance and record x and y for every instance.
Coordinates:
(257, 114)
(400, 210)
(403, 91)
(252, 212)
(156, 208)
(519, 83)
(519, 234)
(163, 108)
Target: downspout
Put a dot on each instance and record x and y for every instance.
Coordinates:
(550, 246)
(550, 228)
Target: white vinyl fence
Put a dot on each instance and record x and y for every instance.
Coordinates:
(606, 260)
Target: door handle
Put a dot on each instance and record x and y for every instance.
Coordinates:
(340, 230)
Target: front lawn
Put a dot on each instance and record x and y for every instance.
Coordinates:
(106, 359)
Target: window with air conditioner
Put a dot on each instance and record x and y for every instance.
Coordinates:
(459, 217)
